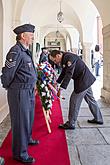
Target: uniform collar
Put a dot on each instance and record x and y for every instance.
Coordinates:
(22, 46)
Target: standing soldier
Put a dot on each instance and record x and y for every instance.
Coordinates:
(43, 55)
(74, 68)
(19, 78)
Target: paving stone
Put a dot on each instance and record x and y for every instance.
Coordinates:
(82, 121)
(84, 104)
(73, 153)
(86, 112)
(101, 104)
(4, 128)
(106, 134)
(64, 104)
(85, 136)
(94, 154)
(105, 111)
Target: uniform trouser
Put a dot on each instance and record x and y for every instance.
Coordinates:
(75, 103)
(21, 105)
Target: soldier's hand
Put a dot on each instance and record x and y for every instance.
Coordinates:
(36, 91)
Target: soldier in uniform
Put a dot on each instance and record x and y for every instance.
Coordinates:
(19, 78)
(43, 55)
(74, 68)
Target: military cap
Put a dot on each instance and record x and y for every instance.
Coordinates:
(44, 48)
(24, 28)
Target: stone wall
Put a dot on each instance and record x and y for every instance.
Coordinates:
(105, 91)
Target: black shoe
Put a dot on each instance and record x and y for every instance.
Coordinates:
(93, 121)
(33, 142)
(28, 160)
(66, 126)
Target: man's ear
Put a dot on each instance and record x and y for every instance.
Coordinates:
(50, 57)
(58, 55)
(22, 35)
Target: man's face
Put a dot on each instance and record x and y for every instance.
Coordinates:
(45, 51)
(57, 59)
(28, 38)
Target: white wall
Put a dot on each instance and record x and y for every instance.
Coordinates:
(1, 34)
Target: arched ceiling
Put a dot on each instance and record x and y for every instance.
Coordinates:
(76, 13)
(104, 9)
(44, 12)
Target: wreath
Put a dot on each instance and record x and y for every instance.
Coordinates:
(46, 76)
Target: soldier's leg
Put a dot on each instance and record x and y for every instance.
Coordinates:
(95, 110)
(19, 113)
(31, 102)
(32, 108)
(25, 120)
(74, 106)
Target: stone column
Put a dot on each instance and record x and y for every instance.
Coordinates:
(105, 91)
(86, 53)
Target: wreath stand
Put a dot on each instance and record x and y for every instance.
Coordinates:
(47, 118)
(48, 112)
(46, 115)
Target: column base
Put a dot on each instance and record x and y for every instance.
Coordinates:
(105, 95)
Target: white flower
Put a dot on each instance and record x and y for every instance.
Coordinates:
(43, 65)
(42, 85)
(46, 101)
(49, 106)
(46, 88)
(43, 94)
(44, 82)
(50, 101)
(48, 94)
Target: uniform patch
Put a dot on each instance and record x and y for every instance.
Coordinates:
(10, 61)
(69, 63)
(10, 64)
(13, 52)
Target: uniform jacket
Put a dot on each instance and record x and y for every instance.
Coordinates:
(74, 68)
(19, 70)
